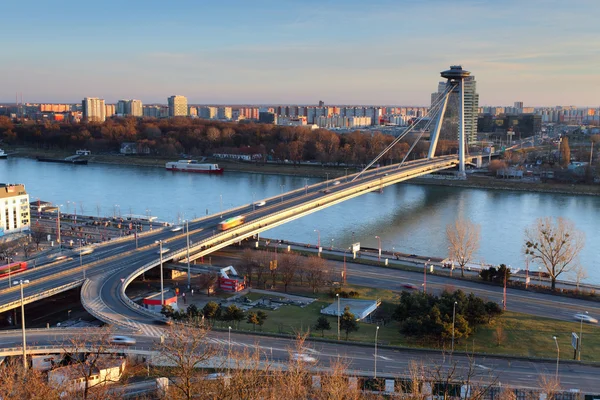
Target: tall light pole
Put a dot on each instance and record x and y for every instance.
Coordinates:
(580, 337)
(305, 186)
(282, 186)
(504, 293)
(162, 288)
(189, 277)
(221, 205)
(229, 350)
(346, 174)
(327, 180)
(557, 357)
(331, 248)
(81, 259)
(425, 277)
(253, 204)
(21, 282)
(526, 271)
(375, 372)
(318, 239)
(338, 315)
(58, 229)
(453, 321)
(379, 248)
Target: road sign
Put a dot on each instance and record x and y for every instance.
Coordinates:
(574, 340)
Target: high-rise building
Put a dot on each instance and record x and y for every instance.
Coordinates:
(519, 104)
(110, 110)
(207, 112)
(130, 107)
(178, 106)
(14, 208)
(94, 109)
(471, 106)
(224, 113)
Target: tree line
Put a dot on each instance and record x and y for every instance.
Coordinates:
(198, 137)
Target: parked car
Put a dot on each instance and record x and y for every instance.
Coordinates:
(121, 340)
(585, 318)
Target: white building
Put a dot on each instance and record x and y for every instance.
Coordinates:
(178, 106)
(14, 208)
(72, 378)
(94, 109)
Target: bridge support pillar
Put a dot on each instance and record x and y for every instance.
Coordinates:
(438, 126)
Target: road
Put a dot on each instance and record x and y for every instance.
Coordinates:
(360, 359)
(122, 254)
(539, 304)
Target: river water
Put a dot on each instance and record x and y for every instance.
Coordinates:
(409, 218)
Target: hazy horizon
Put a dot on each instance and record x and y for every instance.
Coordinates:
(385, 52)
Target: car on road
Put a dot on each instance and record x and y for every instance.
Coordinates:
(121, 340)
(61, 257)
(585, 318)
(336, 183)
(260, 203)
(300, 357)
(163, 250)
(85, 252)
(176, 229)
(325, 191)
(409, 286)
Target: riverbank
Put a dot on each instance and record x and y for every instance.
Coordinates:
(318, 171)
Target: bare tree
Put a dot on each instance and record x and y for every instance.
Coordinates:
(248, 264)
(38, 234)
(550, 386)
(207, 281)
(580, 274)
(554, 244)
(463, 237)
(314, 270)
(288, 266)
(186, 349)
(16, 385)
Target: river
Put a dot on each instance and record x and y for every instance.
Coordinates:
(409, 218)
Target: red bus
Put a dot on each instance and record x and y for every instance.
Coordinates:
(13, 268)
(231, 222)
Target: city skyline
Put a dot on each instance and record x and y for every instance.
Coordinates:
(272, 53)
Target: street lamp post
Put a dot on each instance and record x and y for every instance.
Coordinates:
(305, 186)
(453, 321)
(557, 357)
(379, 248)
(21, 282)
(331, 248)
(229, 349)
(346, 174)
(504, 293)
(375, 372)
(81, 259)
(162, 289)
(327, 180)
(526, 271)
(253, 205)
(58, 229)
(580, 338)
(282, 186)
(425, 277)
(189, 274)
(338, 315)
(318, 239)
(221, 205)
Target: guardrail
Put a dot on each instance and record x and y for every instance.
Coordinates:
(98, 315)
(41, 295)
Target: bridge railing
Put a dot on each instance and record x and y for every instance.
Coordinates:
(97, 314)
(41, 295)
(366, 185)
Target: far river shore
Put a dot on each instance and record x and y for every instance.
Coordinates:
(473, 181)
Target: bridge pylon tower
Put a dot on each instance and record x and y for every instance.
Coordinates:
(455, 84)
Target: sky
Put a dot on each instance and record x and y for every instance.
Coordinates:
(541, 52)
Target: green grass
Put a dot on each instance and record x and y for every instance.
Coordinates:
(526, 335)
